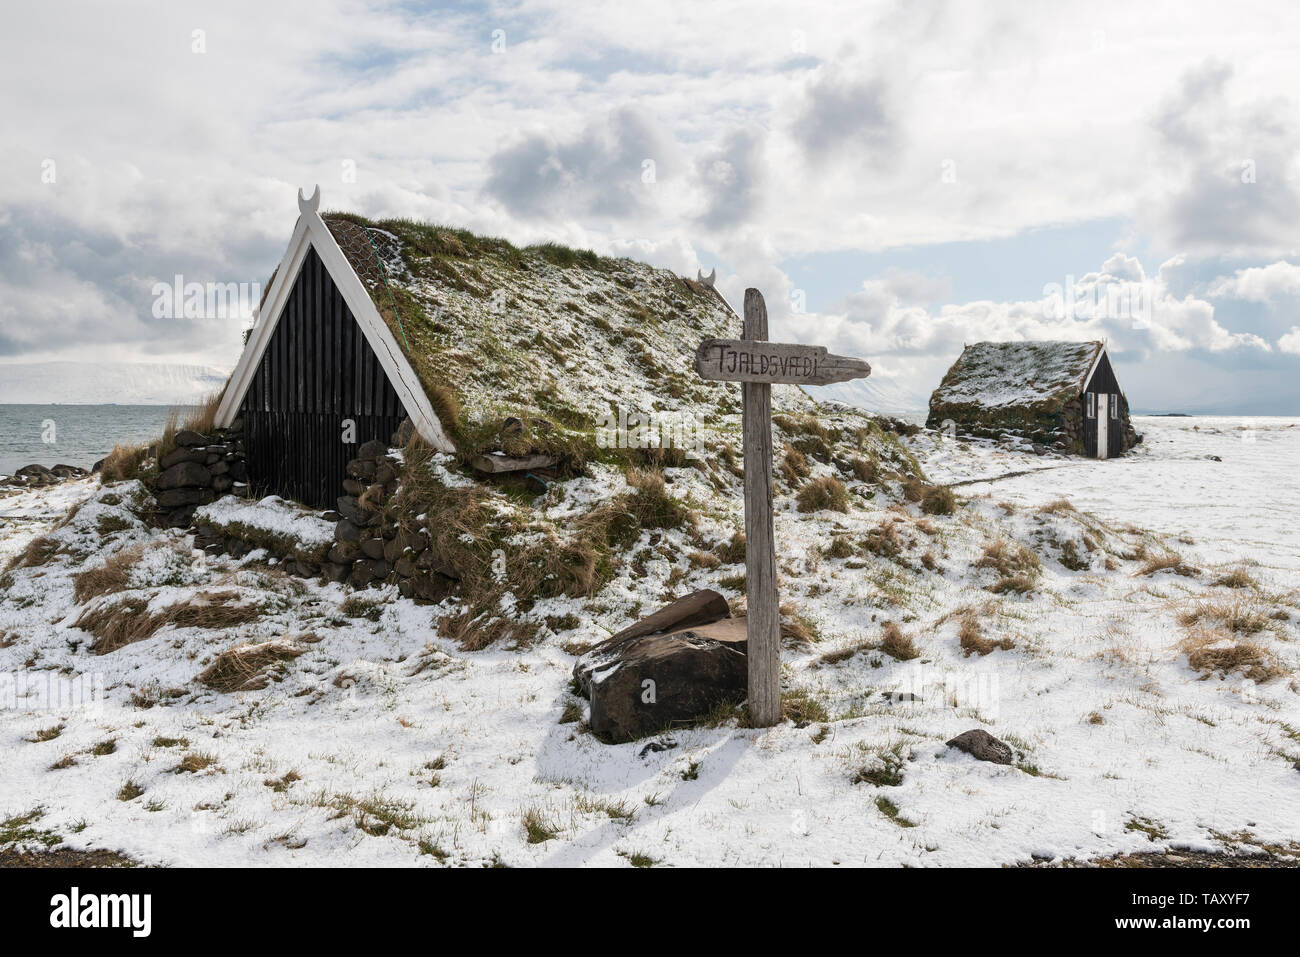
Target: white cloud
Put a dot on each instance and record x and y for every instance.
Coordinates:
(1291, 341)
(1275, 282)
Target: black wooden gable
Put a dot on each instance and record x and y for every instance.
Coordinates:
(317, 374)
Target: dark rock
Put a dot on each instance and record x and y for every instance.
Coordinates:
(68, 471)
(190, 439)
(184, 474)
(372, 547)
(385, 473)
(412, 541)
(180, 517)
(664, 744)
(177, 456)
(981, 745)
(432, 587)
(655, 682)
(219, 467)
(305, 569)
(173, 497)
(392, 550)
(343, 553)
(361, 469)
(98, 466)
(205, 537)
(404, 567)
(222, 484)
(372, 450)
(335, 572)
(353, 487)
(698, 608)
(405, 432)
(349, 509)
(346, 531)
(239, 471)
(35, 471)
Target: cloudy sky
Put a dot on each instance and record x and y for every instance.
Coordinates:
(898, 178)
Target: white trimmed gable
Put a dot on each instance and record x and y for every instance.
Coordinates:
(311, 232)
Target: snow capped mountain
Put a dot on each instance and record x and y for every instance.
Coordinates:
(88, 383)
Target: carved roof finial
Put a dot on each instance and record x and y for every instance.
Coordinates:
(309, 204)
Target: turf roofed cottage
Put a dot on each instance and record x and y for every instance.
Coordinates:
(503, 356)
(1059, 394)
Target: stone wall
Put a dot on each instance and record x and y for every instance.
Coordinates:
(198, 471)
(375, 544)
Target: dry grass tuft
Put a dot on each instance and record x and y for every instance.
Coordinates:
(884, 540)
(938, 500)
(896, 644)
(117, 624)
(1212, 652)
(797, 629)
(247, 667)
(111, 575)
(1009, 559)
(1169, 561)
(124, 462)
(1237, 578)
(826, 492)
(1237, 616)
(972, 638)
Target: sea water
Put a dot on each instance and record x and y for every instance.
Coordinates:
(73, 434)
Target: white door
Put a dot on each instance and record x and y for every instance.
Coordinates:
(1103, 424)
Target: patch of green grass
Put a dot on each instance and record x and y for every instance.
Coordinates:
(18, 830)
(104, 747)
(1143, 825)
(886, 771)
(163, 742)
(890, 810)
(538, 826)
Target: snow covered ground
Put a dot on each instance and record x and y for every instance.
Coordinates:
(375, 742)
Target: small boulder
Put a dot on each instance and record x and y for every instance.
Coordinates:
(190, 439)
(981, 745)
(372, 450)
(184, 474)
(701, 607)
(663, 681)
(179, 455)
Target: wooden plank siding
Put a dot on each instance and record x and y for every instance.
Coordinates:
(1104, 382)
(318, 371)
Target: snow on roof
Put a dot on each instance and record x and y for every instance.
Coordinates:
(1007, 374)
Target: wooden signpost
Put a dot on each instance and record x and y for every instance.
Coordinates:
(758, 364)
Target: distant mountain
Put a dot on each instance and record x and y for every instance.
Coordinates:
(89, 383)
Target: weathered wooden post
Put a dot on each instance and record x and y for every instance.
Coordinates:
(758, 364)
(763, 628)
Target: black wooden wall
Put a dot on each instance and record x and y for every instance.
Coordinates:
(1104, 381)
(317, 371)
